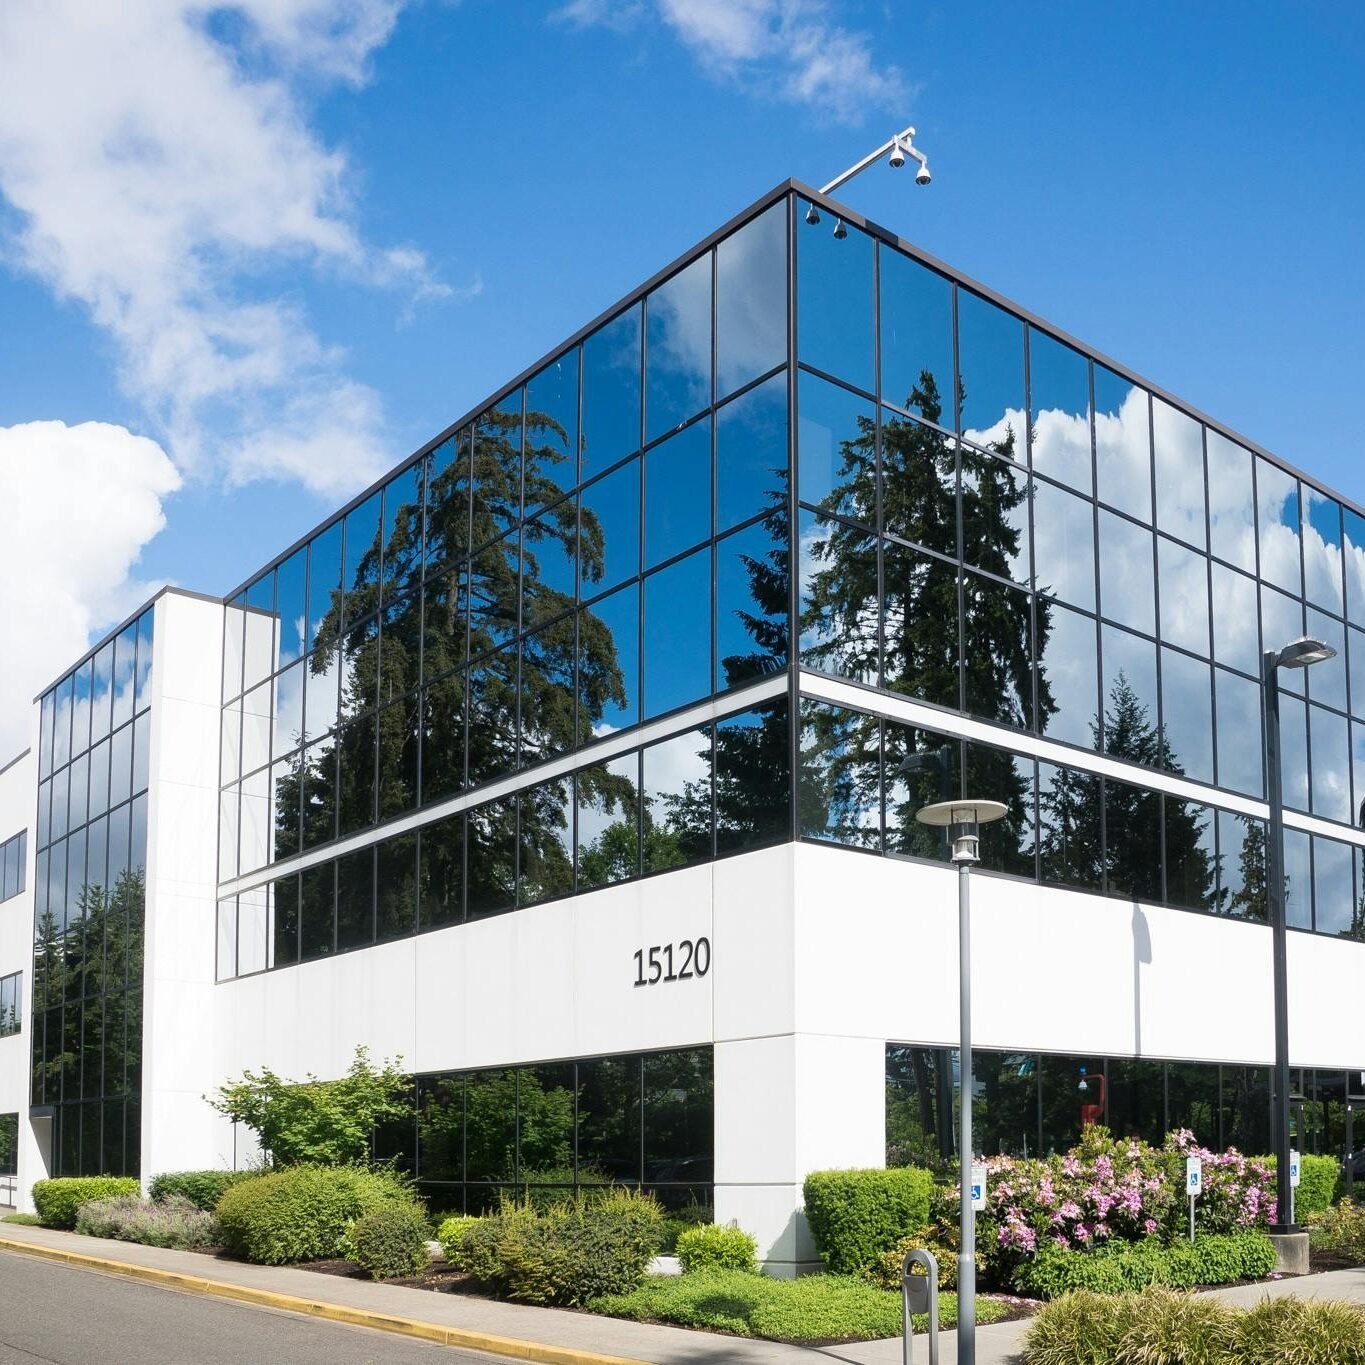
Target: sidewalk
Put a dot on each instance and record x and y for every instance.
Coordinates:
(559, 1337)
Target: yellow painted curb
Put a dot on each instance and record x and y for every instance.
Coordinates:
(509, 1347)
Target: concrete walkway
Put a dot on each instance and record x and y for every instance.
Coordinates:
(568, 1332)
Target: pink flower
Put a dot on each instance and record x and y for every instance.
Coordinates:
(1081, 1233)
(1070, 1210)
(1149, 1227)
(1071, 1165)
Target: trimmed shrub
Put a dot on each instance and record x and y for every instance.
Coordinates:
(202, 1188)
(1121, 1266)
(712, 1247)
(451, 1235)
(1319, 1177)
(1178, 1329)
(301, 1213)
(677, 1221)
(1080, 1328)
(886, 1274)
(57, 1200)
(1341, 1231)
(388, 1241)
(171, 1222)
(567, 1255)
(857, 1216)
(1292, 1331)
(814, 1308)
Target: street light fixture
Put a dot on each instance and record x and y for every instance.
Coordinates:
(900, 146)
(1300, 653)
(962, 820)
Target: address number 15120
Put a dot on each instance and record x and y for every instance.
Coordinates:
(681, 961)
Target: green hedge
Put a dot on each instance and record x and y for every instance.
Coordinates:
(815, 1308)
(57, 1200)
(389, 1241)
(1161, 1327)
(1319, 1177)
(1121, 1266)
(713, 1247)
(301, 1213)
(857, 1216)
(566, 1255)
(202, 1188)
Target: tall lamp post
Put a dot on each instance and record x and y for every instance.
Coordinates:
(1300, 653)
(962, 820)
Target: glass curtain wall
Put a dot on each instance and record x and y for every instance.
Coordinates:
(544, 1132)
(13, 865)
(993, 523)
(93, 764)
(11, 1004)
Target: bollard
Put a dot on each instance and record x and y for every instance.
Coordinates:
(919, 1294)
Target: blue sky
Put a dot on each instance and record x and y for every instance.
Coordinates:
(291, 241)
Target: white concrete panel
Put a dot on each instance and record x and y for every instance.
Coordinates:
(755, 975)
(756, 1111)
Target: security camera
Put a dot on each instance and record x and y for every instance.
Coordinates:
(897, 155)
(922, 176)
(812, 215)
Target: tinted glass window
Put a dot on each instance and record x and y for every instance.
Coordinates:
(1327, 678)
(1298, 880)
(546, 830)
(611, 393)
(548, 695)
(1241, 866)
(549, 548)
(1130, 702)
(839, 621)
(1232, 505)
(1353, 553)
(1294, 752)
(836, 311)
(996, 651)
(990, 344)
(1068, 668)
(1236, 628)
(1133, 841)
(609, 530)
(355, 899)
(1239, 732)
(1178, 444)
(751, 454)
(836, 449)
(920, 626)
(1356, 649)
(677, 634)
(491, 831)
(397, 727)
(494, 575)
(447, 490)
(608, 1120)
(1184, 591)
(1277, 500)
(317, 912)
(441, 873)
(1322, 550)
(919, 484)
(1126, 573)
(324, 582)
(491, 735)
(995, 516)
(609, 663)
(752, 585)
(1059, 394)
(291, 605)
(551, 457)
(1282, 622)
(1334, 901)
(1186, 715)
(360, 571)
(676, 801)
(1123, 461)
(678, 493)
(840, 792)
(1064, 545)
(1331, 759)
(496, 503)
(101, 687)
(751, 300)
(917, 337)
(678, 348)
(609, 822)
(1069, 804)
(753, 778)
(1008, 844)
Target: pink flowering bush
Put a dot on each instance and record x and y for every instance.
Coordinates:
(1103, 1191)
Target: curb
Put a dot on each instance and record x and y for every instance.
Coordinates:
(508, 1347)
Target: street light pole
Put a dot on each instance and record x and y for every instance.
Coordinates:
(1301, 653)
(962, 820)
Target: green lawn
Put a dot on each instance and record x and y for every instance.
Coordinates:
(812, 1308)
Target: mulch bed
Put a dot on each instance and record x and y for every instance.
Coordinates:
(439, 1277)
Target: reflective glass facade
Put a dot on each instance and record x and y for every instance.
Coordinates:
(13, 865)
(11, 1003)
(93, 764)
(543, 1132)
(9, 1144)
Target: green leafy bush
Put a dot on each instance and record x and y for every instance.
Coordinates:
(301, 1213)
(57, 1200)
(886, 1274)
(713, 1247)
(1340, 1230)
(327, 1122)
(811, 1308)
(1121, 1266)
(1318, 1180)
(171, 1222)
(451, 1233)
(1292, 1331)
(856, 1216)
(388, 1241)
(202, 1188)
(677, 1221)
(566, 1255)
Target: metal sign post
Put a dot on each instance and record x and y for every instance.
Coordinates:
(919, 1294)
(1194, 1185)
(1293, 1181)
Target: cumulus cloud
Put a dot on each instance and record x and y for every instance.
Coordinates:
(793, 48)
(77, 505)
(159, 162)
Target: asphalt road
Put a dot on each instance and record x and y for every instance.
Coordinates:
(68, 1316)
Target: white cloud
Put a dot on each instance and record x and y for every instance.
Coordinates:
(158, 168)
(791, 47)
(77, 505)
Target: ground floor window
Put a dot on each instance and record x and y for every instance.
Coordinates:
(1032, 1103)
(9, 1144)
(543, 1132)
